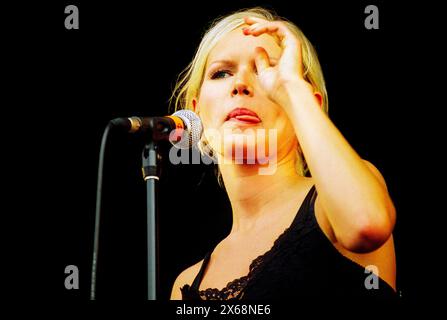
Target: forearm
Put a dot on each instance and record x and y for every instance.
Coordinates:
(353, 198)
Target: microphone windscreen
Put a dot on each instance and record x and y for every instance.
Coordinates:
(193, 130)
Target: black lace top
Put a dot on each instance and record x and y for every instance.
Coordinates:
(301, 263)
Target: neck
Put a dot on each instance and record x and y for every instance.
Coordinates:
(255, 198)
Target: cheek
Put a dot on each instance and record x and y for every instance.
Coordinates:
(211, 102)
(285, 129)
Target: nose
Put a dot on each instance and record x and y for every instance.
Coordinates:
(241, 88)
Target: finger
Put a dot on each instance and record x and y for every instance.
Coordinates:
(253, 20)
(258, 29)
(287, 40)
(275, 28)
(262, 60)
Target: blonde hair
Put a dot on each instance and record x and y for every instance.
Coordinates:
(190, 79)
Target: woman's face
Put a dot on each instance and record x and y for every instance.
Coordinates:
(232, 103)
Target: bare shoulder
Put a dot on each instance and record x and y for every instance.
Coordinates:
(185, 277)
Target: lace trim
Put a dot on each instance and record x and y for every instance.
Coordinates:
(235, 288)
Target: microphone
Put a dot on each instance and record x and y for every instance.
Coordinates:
(183, 128)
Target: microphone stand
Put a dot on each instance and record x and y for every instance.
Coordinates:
(157, 129)
(160, 131)
(150, 175)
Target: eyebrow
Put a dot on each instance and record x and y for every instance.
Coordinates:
(225, 62)
(232, 63)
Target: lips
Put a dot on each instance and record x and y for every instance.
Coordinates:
(243, 115)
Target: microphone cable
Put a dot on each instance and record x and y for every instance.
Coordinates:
(98, 211)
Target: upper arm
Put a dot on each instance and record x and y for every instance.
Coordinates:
(323, 221)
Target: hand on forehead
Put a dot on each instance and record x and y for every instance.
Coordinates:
(236, 45)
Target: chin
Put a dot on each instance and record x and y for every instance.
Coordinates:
(245, 149)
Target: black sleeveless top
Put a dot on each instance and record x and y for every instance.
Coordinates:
(301, 263)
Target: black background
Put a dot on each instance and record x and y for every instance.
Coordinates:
(65, 85)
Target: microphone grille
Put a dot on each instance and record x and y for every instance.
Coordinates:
(193, 128)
